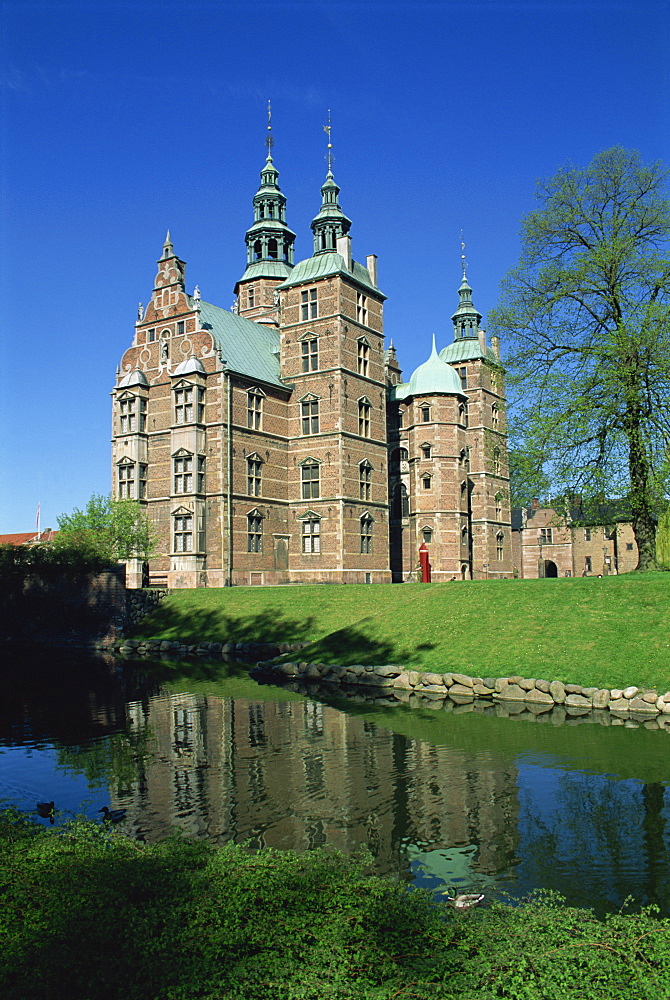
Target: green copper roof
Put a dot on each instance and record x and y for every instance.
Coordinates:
(467, 349)
(326, 264)
(433, 376)
(267, 269)
(247, 348)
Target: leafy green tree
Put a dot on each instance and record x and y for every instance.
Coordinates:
(107, 528)
(585, 319)
(663, 540)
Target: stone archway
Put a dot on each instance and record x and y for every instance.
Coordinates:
(550, 569)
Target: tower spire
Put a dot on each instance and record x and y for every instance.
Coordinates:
(330, 223)
(466, 319)
(329, 154)
(269, 240)
(269, 141)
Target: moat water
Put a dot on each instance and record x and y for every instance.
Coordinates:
(440, 799)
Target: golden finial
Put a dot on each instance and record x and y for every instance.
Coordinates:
(269, 142)
(464, 263)
(329, 154)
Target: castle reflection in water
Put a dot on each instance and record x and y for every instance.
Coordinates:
(297, 774)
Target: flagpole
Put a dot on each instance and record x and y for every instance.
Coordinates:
(37, 521)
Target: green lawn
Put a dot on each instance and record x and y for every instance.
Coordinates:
(605, 632)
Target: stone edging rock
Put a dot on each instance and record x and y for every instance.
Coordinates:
(418, 687)
(540, 695)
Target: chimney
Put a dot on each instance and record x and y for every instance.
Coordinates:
(495, 344)
(344, 249)
(481, 335)
(535, 503)
(371, 261)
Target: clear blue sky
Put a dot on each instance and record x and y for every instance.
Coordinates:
(120, 120)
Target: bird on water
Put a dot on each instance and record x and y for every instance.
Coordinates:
(112, 815)
(464, 900)
(46, 810)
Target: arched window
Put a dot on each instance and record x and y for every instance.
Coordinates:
(258, 250)
(500, 545)
(400, 503)
(272, 249)
(364, 408)
(496, 461)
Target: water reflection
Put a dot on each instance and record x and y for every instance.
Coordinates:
(466, 800)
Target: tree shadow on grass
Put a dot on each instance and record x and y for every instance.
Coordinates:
(270, 625)
(354, 645)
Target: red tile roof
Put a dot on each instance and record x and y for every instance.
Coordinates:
(26, 537)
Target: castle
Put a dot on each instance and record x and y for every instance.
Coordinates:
(277, 443)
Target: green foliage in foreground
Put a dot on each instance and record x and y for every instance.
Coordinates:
(607, 632)
(107, 528)
(88, 913)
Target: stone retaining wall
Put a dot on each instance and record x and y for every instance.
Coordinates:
(511, 695)
(538, 696)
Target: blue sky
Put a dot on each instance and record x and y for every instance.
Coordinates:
(120, 120)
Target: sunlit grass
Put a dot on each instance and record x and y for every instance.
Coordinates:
(605, 632)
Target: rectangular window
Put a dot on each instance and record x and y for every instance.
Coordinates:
(362, 308)
(310, 416)
(251, 298)
(363, 357)
(201, 474)
(127, 481)
(629, 546)
(127, 419)
(188, 405)
(142, 484)
(494, 417)
(366, 534)
(426, 450)
(463, 375)
(364, 418)
(365, 480)
(587, 534)
(464, 414)
(151, 335)
(311, 536)
(309, 304)
(142, 414)
(587, 564)
(500, 546)
(425, 414)
(254, 478)
(254, 533)
(313, 310)
(426, 482)
(310, 355)
(254, 410)
(183, 474)
(310, 481)
(180, 328)
(183, 533)
(546, 536)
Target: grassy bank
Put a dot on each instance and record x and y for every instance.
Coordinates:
(605, 632)
(87, 912)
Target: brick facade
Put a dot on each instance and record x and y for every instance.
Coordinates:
(549, 544)
(264, 441)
